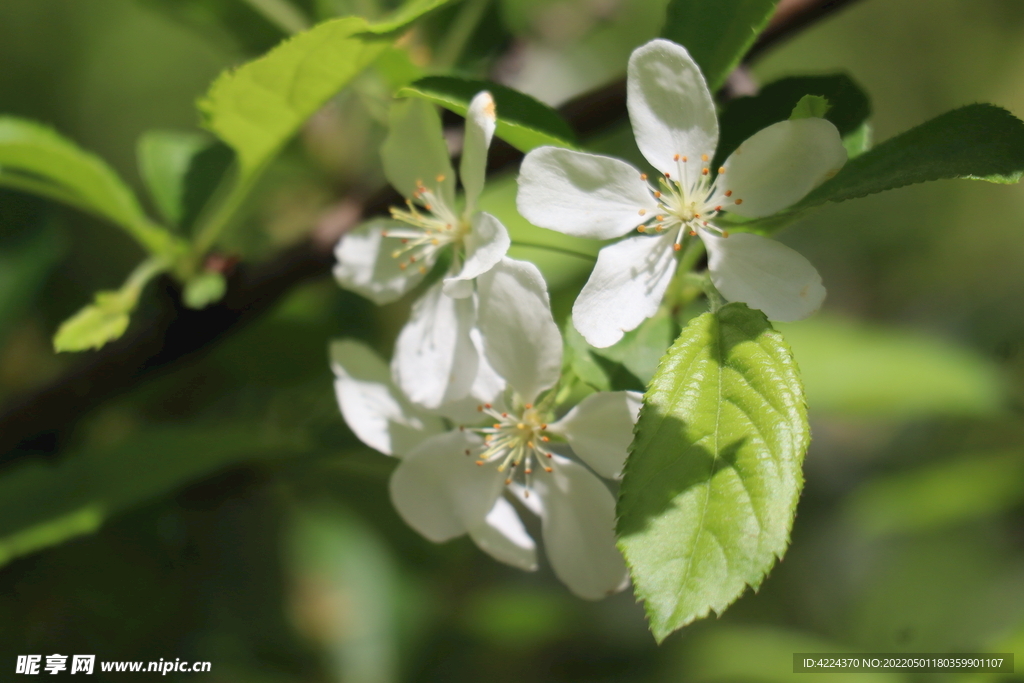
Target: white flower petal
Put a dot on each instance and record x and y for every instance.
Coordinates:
(578, 522)
(521, 339)
(366, 264)
(481, 120)
(670, 106)
(503, 537)
(625, 288)
(440, 491)
(777, 166)
(586, 195)
(600, 429)
(414, 150)
(522, 494)
(372, 407)
(487, 388)
(486, 244)
(764, 274)
(435, 360)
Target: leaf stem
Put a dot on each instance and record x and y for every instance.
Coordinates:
(559, 250)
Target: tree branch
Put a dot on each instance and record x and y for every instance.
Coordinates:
(166, 334)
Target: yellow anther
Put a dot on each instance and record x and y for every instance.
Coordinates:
(528, 406)
(704, 171)
(677, 246)
(675, 158)
(529, 444)
(643, 176)
(440, 178)
(718, 208)
(528, 471)
(479, 462)
(703, 157)
(684, 160)
(543, 426)
(545, 439)
(667, 174)
(693, 233)
(520, 425)
(659, 218)
(721, 170)
(428, 207)
(739, 201)
(725, 233)
(403, 266)
(423, 270)
(642, 211)
(659, 228)
(728, 193)
(641, 228)
(549, 469)
(497, 425)
(657, 194)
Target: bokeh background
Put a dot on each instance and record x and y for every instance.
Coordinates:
(235, 519)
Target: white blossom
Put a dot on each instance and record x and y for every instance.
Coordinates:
(435, 360)
(454, 480)
(676, 129)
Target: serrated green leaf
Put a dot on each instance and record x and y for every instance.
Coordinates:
(712, 480)
(405, 15)
(979, 142)
(164, 159)
(34, 158)
(890, 373)
(257, 107)
(204, 289)
(523, 122)
(849, 108)
(939, 494)
(717, 34)
(42, 504)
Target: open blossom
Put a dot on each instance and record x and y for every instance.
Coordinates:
(460, 480)
(676, 129)
(435, 359)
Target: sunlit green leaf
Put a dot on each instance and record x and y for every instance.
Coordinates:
(979, 141)
(164, 159)
(36, 159)
(718, 33)
(204, 289)
(852, 368)
(810, 106)
(714, 473)
(939, 494)
(107, 317)
(523, 122)
(257, 107)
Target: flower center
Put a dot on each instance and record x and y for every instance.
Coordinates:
(515, 439)
(687, 202)
(433, 226)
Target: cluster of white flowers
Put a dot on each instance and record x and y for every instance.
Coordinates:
(469, 404)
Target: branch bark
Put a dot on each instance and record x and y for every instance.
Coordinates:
(168, 335)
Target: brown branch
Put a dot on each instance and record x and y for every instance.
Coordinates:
(167, 335)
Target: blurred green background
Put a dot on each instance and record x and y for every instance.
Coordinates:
(237, 520)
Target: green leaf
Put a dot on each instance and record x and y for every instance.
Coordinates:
(204, 289)
(939, 494)
(809, 107)
(36, 159)
(164, 159)
(405, 15)
(849, 108)
(257, 107)
(717, 33)
(714, 473)
(890, 373)
(979, 141)
(640, 350)
(106, 319)
(42, 504)
(523, 122)
(224, 22)
(599, 372)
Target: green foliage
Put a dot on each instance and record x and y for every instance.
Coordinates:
(204, 289)
(979, 141)
(36, 159)
(256, 108)
(889, 373)
(23, 270)
(523, 122)
(964, 488)
(712, 480)
(42, 504)
(810, 106)
(717, 34)
(164, 160)
(409, 12)
(593, 369)
(849, 108)
(640, 350)
(222, 19)
(107, 318)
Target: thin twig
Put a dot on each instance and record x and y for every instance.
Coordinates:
(166, 334)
